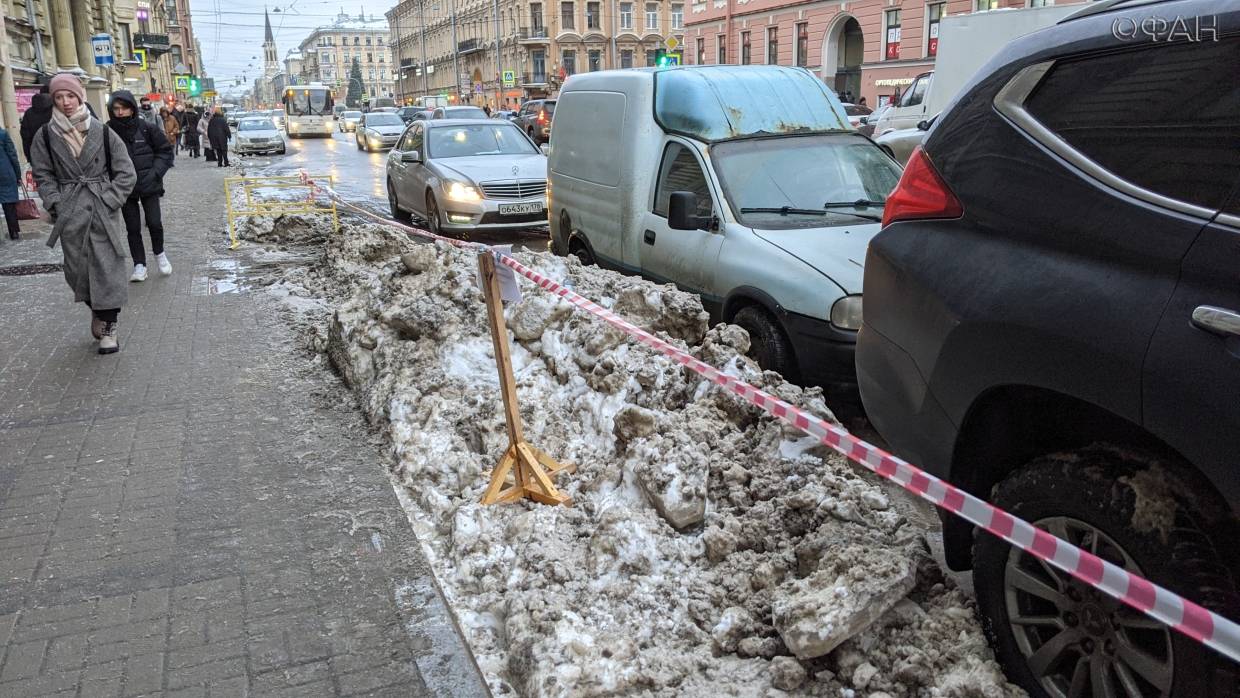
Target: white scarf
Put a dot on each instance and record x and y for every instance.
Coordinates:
(72, 128)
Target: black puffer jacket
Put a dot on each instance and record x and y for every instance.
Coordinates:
(39, 113)
(148, 147)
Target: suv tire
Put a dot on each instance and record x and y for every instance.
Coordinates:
(767, 343)
(1087, 498)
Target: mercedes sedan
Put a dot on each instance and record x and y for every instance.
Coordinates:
(378, 130)
(465, 175)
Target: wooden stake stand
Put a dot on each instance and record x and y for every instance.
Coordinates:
(534, 469)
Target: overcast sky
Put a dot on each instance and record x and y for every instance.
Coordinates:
(231, 31)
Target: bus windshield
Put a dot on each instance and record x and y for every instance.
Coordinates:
(308, 102)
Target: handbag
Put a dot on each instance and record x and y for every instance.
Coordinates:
(27, 208)
(209, 153)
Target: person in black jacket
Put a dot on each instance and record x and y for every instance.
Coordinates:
(191, 131)
(39, 113)
(152, 156)
(218, 134)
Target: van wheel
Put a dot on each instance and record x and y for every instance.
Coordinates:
(394, 204)
(1058, 637)
(579, 248)
(767, 343)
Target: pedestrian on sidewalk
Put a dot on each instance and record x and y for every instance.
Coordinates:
(148, 113)
(192, 117)
(219, 134)
(203, 122)
(172, 127)
(10, 177)
(151, 154)
(85, 175)
(39, 113)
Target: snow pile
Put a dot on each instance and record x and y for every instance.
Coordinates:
(710, 550)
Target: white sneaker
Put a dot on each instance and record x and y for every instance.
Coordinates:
(165, 267)
(139, 273)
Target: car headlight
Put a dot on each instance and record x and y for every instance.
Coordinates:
(459, 191)
(846, 313)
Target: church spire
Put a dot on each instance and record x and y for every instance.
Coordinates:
(267, 20)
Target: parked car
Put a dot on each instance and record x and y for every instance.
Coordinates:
(410, 114)
(866, 127)
(461, 175)
(337, 110)
(1065, 343)
(535, 119)
(348, 120)
(856, 113)
(743, 184)
(465, 112)
(277, 117)
(233, 117)
(504, 114)
(378, 130)
(258, 135)
(900, 143)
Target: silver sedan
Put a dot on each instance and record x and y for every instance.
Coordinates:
(461, 175)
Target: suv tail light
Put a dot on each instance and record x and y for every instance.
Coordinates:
(921, 193)
(542, 116)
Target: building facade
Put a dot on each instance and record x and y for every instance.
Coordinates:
(867, 48)
(448, 48)
(327, 55)
(43, 37)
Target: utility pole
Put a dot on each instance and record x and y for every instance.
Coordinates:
(499, 68)
(456, 58)
(422, 18)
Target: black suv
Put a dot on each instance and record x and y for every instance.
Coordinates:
(535, 119)
(1052, 322)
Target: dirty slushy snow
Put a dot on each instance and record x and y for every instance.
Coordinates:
(710, 550)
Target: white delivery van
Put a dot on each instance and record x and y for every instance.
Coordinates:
(966, 43)
(743, 184)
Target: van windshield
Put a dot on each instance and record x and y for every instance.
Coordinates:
(816, 178)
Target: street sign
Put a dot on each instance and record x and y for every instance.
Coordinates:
(139, 55)
(510, 78)
(477, 88)
(671, 43)
(673, 58)
(182, 82)
(102, 44)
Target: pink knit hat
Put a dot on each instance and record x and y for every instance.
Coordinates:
(67, 81)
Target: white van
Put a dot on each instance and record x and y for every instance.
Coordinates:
(743, 184)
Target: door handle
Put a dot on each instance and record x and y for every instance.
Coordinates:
(649, 237)
(1216, 320)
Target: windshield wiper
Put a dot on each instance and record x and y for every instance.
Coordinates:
(785, 210)
(859, 203)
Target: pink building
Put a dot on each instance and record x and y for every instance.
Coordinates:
(869, 48)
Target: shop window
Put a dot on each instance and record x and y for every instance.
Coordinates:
(892, 35)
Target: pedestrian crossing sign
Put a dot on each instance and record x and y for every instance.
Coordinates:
(510, 78)
(139, 56)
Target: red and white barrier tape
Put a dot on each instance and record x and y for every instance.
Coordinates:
(1183, 615)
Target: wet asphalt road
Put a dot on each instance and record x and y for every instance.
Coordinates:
(360, 177)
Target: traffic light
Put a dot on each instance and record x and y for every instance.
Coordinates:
(660, 58)
(195, 86)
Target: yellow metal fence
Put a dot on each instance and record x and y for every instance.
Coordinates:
(256, 205)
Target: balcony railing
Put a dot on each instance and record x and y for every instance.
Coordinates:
(468, 46)
(155, 44)
(528, 80)
(533, 34)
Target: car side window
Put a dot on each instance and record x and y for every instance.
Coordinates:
(1146, 116)
(414, 139)
(916, 92)
(680, 171)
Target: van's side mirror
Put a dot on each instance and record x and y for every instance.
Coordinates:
(682, 212)
(923, 125)
(865, 120)
(411, 156)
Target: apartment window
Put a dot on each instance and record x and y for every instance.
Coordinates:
(701, 51)
(569, 61)
(892, 35)
(935, 13)
(379, 40)
(371, 75)
(567, 20)
(592, 15)
(370, 58)
(596, 60)
(652, 15)
(982, 5)
(721, 48)
(626, 15)
(125, 39)
(745, 51)
(380, 57)
(325, 58)
(678, 16)
(652, 58)
(772, 45)
(626, 59)
(357, 41)
(536, 16)
(803, 44)
(539, 59)
(368, 41)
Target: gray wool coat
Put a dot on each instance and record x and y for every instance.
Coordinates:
(86, 207)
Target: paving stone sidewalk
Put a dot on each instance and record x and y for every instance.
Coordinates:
(204, 513)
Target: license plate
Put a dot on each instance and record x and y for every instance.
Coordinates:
(517, 209)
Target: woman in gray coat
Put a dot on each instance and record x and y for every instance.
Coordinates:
(84, 176)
